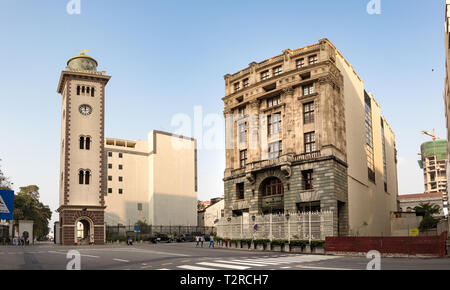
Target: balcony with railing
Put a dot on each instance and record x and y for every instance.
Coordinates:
(287, 159)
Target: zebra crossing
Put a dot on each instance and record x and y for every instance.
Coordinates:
(255, 263)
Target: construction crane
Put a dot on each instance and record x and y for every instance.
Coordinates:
(432, 135)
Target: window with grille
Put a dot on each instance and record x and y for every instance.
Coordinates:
(237, 86)
(242, 111)
(246, 83)
(242, 132)
(308, 113)
(243, 158)
(272, 102)
(307, 179)
(383, 143)
(272, 186)
(240, 192)
(275, 149)
(300, 63)
(369, 138)
(308, 89)
(313, 59)
(277, 70)
(274, 122)
(310, 142)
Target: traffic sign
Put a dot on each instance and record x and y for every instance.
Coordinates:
(6, 204)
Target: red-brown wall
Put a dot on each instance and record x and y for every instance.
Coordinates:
(435, 245)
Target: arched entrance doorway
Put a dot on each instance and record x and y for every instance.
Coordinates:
(84, 231)
(272, 192)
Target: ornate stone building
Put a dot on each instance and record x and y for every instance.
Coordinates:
(302, 134)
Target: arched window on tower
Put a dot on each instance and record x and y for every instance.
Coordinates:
(92, 92)
(81, 142)
(82, 89)
(88, 143)
(78, 90)
(81, 176)
(87, 177)
(88, 90)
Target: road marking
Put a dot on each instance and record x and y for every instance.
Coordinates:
(146, 267)
(141, 251)
(257, 262)
(190, 267)
(285, 267)
(120, 260)
(235, 267)
(185, 261)
(163, 269)
(321, 268)
(64, 253)
(166, 264)
(239, 263)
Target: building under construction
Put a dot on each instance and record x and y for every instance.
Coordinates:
(434, 165)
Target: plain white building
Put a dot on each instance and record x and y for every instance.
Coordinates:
(153, 181)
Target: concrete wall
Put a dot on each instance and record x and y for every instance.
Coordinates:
(369, 204)
(428, 246)
(174, 191)
(159, 175)
(401, 223)
(123, 208)
(213, 213)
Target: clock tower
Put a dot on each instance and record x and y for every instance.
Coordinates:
(83, 167)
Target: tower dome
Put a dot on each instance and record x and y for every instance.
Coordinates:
(82, 62)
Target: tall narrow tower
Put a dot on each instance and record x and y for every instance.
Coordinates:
(83, 168)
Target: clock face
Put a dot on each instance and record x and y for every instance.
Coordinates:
(85, 110)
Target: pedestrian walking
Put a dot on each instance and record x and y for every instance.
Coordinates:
(197, 239)
(22, 241)
(211, 241)
(202, 239)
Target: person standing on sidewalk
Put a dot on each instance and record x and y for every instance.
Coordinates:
(197, 239)
(202, 239)
(211, 241)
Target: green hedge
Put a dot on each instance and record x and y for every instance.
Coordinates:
(298, 243)
(261, 242)
(279, 242)
(317, 244)
(246, 242)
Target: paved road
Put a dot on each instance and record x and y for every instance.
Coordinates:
(185, 256)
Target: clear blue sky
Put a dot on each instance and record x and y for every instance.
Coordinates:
(165, 57)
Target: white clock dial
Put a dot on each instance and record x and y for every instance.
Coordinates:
(85, 110)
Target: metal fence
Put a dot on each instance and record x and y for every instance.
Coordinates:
(114, 232)
(301, 226)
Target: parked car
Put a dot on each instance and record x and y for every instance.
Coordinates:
(161, 238)
(185, 238)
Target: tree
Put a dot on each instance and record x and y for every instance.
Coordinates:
(427, 210)
(28, 207)
(200, 205)
(5, 183)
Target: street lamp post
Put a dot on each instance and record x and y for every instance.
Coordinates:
(289, 227)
